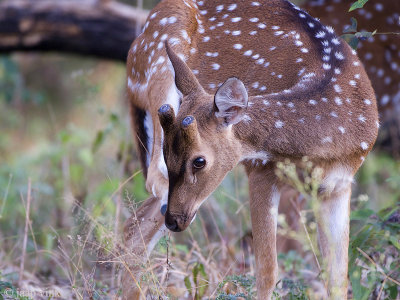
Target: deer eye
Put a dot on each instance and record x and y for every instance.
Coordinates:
(199, 163)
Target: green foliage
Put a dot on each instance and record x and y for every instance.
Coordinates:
(353, 37)
(8, 78)
(374, 251)
(295, 290)
(358, 4)
(101, 135)
(237, 287)
(291, 262)
(200, 281)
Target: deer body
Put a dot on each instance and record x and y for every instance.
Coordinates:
(252, 83)
(380, 54)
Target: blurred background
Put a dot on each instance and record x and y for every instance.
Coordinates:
(66, 150)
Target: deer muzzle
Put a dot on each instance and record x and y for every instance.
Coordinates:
(177, 223)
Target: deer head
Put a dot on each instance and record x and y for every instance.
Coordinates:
(199, 145)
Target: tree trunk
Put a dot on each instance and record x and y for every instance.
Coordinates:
(103, 29)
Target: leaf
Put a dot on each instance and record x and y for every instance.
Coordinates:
(360, 292)
(355, 279)
(395, 242)
(114, 118)
(384, 214)
(393, 292)
(201, 288)
(351, 39)
(65, 136)
(98, 141)
(358, 241)
(352, 27)
(188, 285)
(195, 271)
(202, 271)
(363, 35)
(361, 214)
(358, 4)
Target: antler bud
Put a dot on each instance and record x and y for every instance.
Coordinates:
(167, 116)
(189, 129)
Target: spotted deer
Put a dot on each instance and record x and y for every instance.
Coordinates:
(380, 54)
(217, 84)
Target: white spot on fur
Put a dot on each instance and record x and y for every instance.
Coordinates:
(327, 139)
(215, 66)
(248, 53)
(338, 101)
(367, 101)
(364, 146)
(232, 7)
(186, 36)
(279, 124)
(339, 55)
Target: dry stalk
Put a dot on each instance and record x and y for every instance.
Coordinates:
(25, 241)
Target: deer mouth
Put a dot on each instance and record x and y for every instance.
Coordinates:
(178, 223)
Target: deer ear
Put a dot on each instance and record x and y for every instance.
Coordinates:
(231, 101)
(185, 80)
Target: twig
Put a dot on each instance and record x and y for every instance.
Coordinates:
(396, 33)
(116, 226)
(27, 221)
(383, 284)
(381, 289)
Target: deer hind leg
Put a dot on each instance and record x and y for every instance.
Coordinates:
(333, 230)
(264, 202)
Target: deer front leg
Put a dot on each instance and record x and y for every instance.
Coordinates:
(333, 238)
(264, 202)
(157, 174)
(141, 233)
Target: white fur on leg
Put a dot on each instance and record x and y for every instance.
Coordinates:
(275, 197)
(148, 125)
(333, 237)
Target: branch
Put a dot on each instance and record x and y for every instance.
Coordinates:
(102, 29)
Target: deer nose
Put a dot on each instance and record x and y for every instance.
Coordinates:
(171, 223)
